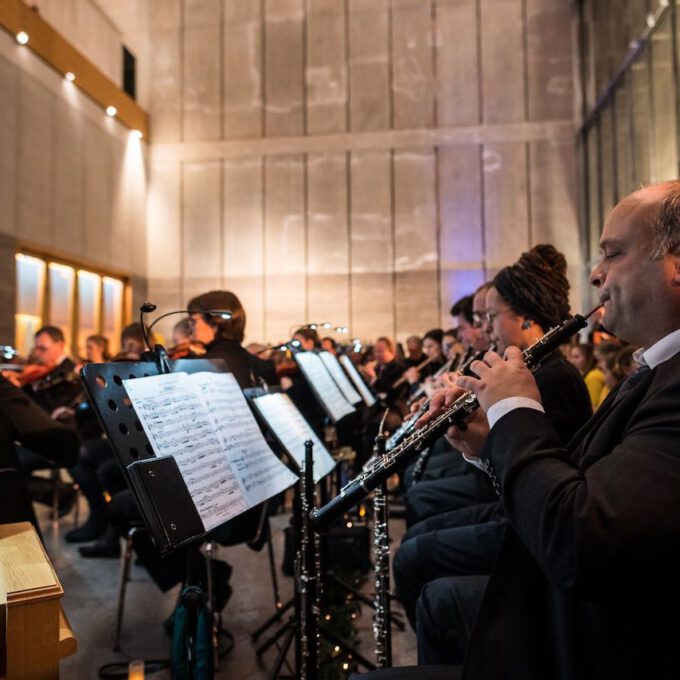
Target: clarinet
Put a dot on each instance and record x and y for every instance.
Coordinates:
(307, 566)
(424, 457)
(456, 414)
(382, 621)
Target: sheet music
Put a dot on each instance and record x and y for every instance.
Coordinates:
(292, 430)
(247, 451)
(358, 381)
(342, 381)
(325, 388)
(180, 420)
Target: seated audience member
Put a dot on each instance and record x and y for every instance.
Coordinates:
(605, 354)
(583, 358)
(586, 583)
(526, 300)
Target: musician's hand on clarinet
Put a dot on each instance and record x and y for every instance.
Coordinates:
(500, 378)
(471, 439)
(439, 402)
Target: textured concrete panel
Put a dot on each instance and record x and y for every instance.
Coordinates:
(461, 239)
(69, 180)
(284, 68)
(164, 241)
(412, 64)
(202, 12)
(458, 97)
(166, 91)
(202, 223)
(36, 158)
(243, 259)
(328, 239)
(202, 84)
(165, 14)
(506, 209)
(503, 69)
(554, 215)
(369, 65)
(326, 72)
(285, 290)
(550, 72)
(415, 242)
(242, 71)
(372, 245)
(98, 195)
(9, 143)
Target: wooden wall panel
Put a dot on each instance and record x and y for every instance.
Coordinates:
(369, 73)
(202, 227)
(550, 75)
(9, 143)
(244, 240)
(461, 244)
(458, 96)
(327, 239)
(242, 71)
(202, 83)
(69, 180)
(326, 72)
(412, 64)
(285, 294)
(284, 67)
(372, 245)
(415, 243)
(503, 72)
(506, 209)
(98, 193)
(36, 154)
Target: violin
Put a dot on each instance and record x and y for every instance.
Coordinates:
(189, 348)
(29, 374)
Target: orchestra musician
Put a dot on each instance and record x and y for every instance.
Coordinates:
(586, 583)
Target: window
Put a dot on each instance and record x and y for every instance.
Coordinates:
(81, 302)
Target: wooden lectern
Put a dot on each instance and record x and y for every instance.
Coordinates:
(37, 633)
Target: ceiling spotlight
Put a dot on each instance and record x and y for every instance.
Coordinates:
(22, 37)
(137, 134)
(111, 111)
(70, 76)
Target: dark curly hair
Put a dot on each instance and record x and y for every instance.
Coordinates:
(229, 329)
(536, 286)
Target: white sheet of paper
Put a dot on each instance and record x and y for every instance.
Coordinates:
(180, 421)
(331, 362)
(361, 386)
(328, 392)
(293, 431)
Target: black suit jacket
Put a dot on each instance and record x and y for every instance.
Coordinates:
(588, 576)
(21, 420)
(246, 367)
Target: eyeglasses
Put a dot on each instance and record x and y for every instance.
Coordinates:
(491, 314)
(478, 318)
(42, 348)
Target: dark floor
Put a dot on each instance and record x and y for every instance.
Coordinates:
(91, 593)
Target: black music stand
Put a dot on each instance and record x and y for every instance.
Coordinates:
(157, 485)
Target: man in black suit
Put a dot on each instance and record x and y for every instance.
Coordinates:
(21, 420)
(586, 584)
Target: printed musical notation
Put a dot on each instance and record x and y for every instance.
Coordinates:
(331, 362)
(323, 385)
(292, 430)
(361, 386)
(204, 422)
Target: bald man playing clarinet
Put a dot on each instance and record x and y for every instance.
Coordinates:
(587, 581)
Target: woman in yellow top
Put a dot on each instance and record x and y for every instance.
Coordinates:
(582, 357)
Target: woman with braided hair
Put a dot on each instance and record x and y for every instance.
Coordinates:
(458, 539)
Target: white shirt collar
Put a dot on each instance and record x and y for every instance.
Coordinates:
(660, 351)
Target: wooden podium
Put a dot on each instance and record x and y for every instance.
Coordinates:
(37, 633)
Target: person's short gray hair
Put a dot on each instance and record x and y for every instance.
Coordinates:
(665, 222)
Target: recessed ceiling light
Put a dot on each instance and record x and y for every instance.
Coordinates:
(70, 76)
(111, 111)
(22, 37)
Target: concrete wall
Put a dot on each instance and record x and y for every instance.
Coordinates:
(365, 162)
(71, 180)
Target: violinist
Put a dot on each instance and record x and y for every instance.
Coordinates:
(183, 345)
